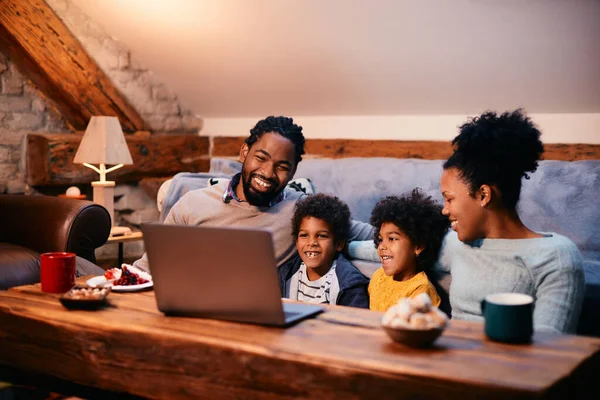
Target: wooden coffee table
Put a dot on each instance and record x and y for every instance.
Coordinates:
(343, 353)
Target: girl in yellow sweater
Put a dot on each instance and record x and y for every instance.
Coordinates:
(408, 235)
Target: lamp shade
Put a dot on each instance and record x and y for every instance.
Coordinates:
(103, 143)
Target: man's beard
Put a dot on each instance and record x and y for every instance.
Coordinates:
(256, 198)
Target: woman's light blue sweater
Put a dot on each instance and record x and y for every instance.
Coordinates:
(548, 268)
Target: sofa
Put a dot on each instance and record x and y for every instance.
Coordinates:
(31, 225)
(560, 197)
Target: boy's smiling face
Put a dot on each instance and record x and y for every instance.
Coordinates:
(317, 246)
(396, 251)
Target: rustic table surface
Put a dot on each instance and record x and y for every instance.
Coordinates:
(129, 346)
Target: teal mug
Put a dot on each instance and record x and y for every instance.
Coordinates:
(508, 317)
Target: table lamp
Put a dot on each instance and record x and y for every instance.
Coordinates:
(103, 143)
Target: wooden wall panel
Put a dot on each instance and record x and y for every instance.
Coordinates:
(572, 152)
(427, 150)
(50, 158)
(343, 148)
(226, 146)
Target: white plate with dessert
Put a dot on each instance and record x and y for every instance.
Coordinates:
(124, 279)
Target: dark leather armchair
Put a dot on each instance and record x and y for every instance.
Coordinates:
(31, 225)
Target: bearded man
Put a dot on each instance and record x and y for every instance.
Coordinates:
(258, 196)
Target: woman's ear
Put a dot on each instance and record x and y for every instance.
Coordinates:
(485, 195)
(244, 152)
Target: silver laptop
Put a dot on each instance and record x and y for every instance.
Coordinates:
(220, 273)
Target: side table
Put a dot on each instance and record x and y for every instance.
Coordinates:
(132, 237)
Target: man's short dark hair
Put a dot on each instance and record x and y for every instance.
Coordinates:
(327, 208)
(419, 217)
(285, 127)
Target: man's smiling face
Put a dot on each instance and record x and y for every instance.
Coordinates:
(267, 167)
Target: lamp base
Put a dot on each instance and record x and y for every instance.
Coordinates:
(119, 231)
(104, 194)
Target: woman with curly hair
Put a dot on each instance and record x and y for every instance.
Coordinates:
(491, 250)
(408, 235)
(319, 273)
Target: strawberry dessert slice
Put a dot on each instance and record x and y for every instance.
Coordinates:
(129, 278)
(113, 273)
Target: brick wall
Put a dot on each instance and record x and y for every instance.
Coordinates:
(159, 107)
(22, 111)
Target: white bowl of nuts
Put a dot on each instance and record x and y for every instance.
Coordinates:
(414, 322)
(84, 297)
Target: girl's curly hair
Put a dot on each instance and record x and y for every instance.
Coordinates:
(419, 217)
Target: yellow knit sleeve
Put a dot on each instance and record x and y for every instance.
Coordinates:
(379, 296)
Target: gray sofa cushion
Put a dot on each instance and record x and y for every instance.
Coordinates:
(562, 197)
(361, 182)
(559, 197)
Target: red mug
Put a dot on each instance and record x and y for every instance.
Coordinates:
(57, 272)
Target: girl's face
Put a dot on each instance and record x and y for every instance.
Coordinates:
(316, 245)
(464, 211)
(397, 253)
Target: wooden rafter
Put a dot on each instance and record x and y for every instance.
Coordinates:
(46, 52)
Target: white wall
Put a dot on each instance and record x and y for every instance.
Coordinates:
(383, 69)
(243, 58)
(556, 128)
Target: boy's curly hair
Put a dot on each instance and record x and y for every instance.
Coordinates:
(328, 208)
(419, 217)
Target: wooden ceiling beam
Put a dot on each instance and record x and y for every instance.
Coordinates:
(46, 52)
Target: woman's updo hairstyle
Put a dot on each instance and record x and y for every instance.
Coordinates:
(497, 151)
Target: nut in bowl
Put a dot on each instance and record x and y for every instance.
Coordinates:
(414, 322)
(84, 298)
